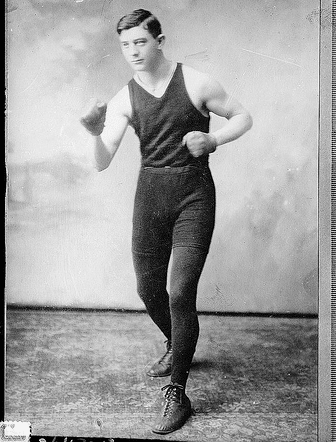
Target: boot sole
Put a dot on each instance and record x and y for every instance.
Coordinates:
(171, 430)
(158, 375)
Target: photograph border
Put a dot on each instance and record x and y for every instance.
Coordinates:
(326, 311)
(324, 219)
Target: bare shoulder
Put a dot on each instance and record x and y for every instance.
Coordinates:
(201, 87)
(120, 103)
(200, 84)
(195, 77)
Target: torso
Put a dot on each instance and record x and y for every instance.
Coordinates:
(161, 122)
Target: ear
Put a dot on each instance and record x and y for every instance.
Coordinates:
(161, 40)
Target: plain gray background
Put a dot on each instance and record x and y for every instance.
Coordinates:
(69, 228)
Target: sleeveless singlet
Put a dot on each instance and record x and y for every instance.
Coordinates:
(161, 123)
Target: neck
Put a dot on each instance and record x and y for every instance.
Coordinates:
(154, 76)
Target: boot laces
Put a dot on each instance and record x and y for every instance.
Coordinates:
(173, 394)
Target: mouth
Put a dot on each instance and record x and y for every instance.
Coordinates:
(137, 61)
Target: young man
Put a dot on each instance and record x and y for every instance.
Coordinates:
(168, 105)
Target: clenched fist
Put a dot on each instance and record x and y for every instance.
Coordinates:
(94, 119)
(199, 143)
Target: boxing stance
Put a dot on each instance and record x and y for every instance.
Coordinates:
(168, 104)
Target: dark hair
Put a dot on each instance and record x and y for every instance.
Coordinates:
(138, 17)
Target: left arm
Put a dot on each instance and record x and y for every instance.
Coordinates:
(216, 100)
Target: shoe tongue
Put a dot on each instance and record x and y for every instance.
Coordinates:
(174, 392)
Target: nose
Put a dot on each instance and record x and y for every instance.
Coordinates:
(133, 50)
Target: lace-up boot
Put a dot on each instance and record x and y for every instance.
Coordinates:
(176, 410)
(163, 366)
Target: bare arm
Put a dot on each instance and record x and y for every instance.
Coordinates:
(209, 96)
(216, 100)
(108, 124)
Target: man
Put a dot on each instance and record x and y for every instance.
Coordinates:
(168, 104)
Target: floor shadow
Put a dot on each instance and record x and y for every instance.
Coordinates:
(202, 364)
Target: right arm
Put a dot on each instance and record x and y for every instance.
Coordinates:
(108, 125)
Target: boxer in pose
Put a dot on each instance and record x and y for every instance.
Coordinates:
(168, 104)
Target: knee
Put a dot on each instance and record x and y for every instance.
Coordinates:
(148, 292)
(183, 298)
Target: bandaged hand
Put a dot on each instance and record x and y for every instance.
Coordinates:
(199, 143)
(94, 118)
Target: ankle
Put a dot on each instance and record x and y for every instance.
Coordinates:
(179, 386)
(176, 392)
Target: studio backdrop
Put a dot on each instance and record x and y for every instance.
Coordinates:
(68, 227)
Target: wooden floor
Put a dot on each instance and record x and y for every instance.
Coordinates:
(83, 374)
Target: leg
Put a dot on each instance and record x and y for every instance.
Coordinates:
(151, 272)
(188, 263)
(192, 235)
(187, 266)
(151, 248)
(191, 240)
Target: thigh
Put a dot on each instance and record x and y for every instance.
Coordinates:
(196, 218)
(151, 267)
(152, 226)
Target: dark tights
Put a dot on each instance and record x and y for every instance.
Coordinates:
(175, 313)
(174, 209)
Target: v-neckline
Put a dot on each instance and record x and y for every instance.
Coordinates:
(166, 89)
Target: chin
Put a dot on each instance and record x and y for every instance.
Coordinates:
(137, 67)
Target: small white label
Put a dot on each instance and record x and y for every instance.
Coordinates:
(14, 431)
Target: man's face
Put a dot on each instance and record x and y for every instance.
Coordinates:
(140, 48)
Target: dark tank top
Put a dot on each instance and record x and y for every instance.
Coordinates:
(161, 123)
